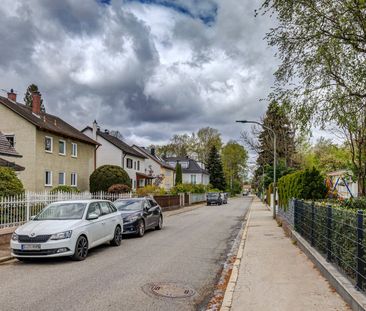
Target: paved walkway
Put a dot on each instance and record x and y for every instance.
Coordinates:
(275, 275)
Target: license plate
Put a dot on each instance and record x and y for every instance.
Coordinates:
(28, 247)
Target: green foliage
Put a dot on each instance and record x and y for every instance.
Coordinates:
(108, 175)
(190, 188)
(10, 184)
(234, 160)
(119, 188)
(65, 188)
(307, 185)
(28, 100)
(150, 190)
(178, 174)
(235, 189)
(214, 167)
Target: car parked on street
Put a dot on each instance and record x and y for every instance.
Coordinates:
(139, 215)
(68, 228)
(214, 198)
(225, 197)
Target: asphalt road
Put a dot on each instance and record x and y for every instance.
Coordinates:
(189, 250)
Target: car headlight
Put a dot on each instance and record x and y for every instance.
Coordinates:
(131, 218)
(61, 235)
(14, 237)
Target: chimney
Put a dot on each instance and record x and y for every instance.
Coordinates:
(36, 102)
(152, 151)
(106, 131)
(12, 96)
(95, 129)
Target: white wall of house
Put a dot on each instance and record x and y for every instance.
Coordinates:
(198, 178)
(109, 154)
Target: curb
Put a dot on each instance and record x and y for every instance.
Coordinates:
(355, 299)
(229, 292)
(6, 258)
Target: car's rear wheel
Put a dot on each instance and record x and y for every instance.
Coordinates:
(141, 228)
(117, 238)
(81, 248)
(160, 223)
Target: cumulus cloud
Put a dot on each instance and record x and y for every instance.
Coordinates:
(148, 68)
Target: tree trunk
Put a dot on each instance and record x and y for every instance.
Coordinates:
(361, 185)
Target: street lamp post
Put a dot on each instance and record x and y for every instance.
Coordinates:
(274, 158)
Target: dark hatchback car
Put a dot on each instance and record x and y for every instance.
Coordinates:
(214, 198)
(139, 215)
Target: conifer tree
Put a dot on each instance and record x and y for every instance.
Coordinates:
(28, 100)
(214, 167)
(178, 174)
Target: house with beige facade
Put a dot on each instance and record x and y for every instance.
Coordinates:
(114, 151)
(54, 153)
(157, 168)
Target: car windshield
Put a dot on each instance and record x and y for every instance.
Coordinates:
(62, 211)
(212, 195)
(128, 205)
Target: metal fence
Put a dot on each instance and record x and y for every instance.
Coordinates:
(197, 197)
(337, 233)
(17, 210)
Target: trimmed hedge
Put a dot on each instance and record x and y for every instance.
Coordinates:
(190, 188)
(10, 184)
(119, 188)
(107, 176)
(65, 188)
(307, 185)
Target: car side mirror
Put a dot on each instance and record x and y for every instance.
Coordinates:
(32, 217)
(93, 216)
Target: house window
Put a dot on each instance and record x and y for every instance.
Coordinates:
(48, 179)
(167, 172)
(193, 179)
(62, 147)
(74, 180)
(138, 165)
(141, 182)
(134, 165)
(61, 178)
(11, 139)
(129, 163)
(74, 150)
(48, 142)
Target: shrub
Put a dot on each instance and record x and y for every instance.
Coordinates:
(306, 185)
(106, 176)
(119, 188)
(65, 188)
(10, 184)
(190, 188)
(150, 189)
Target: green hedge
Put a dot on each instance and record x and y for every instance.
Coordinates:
(307, 185)
(10, 184)
(106, 176)
(65, 188)
(190, 188)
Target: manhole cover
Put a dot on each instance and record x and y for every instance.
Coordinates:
(170, 290)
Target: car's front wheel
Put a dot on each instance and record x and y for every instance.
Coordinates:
(160, 223)
(117, 238)
(141, 228)
(81, 248)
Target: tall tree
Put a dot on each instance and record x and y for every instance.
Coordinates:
(234, 160)
(322, 46)
(28, 100)
(206, 138)
(214, 167)
(178, 174)
(278, 121)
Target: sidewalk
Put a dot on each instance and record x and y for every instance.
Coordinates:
(275, 275)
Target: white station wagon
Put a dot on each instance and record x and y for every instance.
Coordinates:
(68, 228)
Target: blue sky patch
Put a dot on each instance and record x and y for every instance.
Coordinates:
(206, 11)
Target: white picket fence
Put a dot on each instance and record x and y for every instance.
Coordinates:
(17, 210)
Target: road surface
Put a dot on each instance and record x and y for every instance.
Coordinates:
(186, 255)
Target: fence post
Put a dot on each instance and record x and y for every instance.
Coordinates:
(329, 233)
(360, 251)
(312, 239)
(27, 200)
(296, 216)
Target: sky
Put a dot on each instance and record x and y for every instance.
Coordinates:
(147, 68)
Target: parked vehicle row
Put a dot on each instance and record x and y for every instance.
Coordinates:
(217, 198)
(72, 228)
